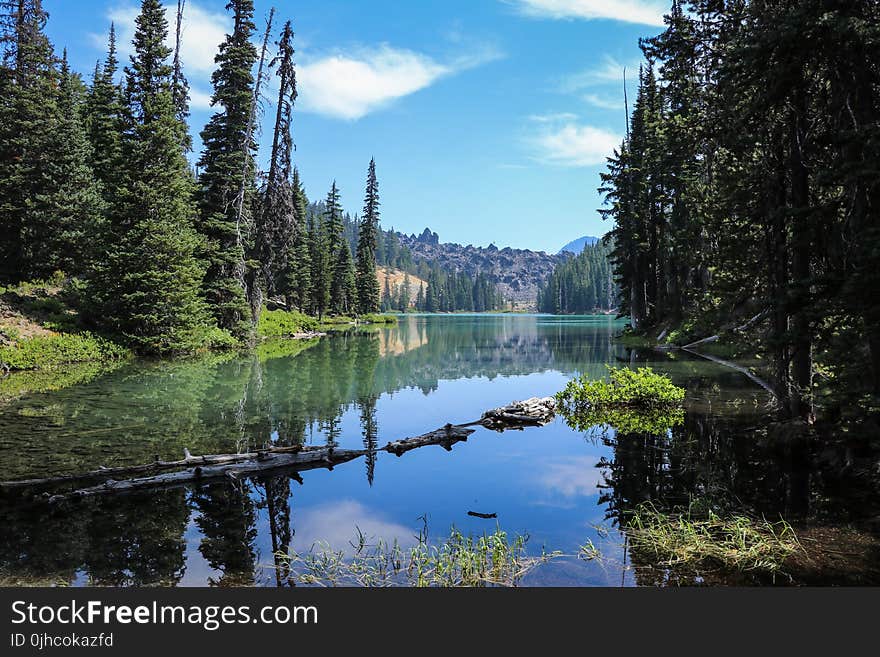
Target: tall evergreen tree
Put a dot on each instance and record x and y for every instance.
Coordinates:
(279, 223)
(321, 269)
(65, 214)
(367, 281)
(343, 291)
(297, 285)
(29, 91)
(104, 121)
(147, 288)
(226, 184)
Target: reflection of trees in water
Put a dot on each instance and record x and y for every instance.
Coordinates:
(133, 540)
(370, 432)
(734, 463)
(227, 521)
(276, 501)
(279, 393)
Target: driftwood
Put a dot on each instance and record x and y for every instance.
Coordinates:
(738, 368)
(446, 437)
(301, 461)
(738, 329)
(188, 461)
(532, 412)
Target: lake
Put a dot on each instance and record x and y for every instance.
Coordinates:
(363, 388)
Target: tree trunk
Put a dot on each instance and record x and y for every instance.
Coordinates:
(802, 345)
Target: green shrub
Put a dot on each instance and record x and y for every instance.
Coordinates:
(54, 350)
(376, 318)
(633, 401)
(641, 388)
(220, 339)
(282, 323)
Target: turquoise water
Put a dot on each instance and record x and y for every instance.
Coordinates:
(361, 390)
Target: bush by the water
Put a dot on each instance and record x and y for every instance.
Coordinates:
(642, 388)
(376, 318)
(54, 350)
(632, 401)
(283, 323)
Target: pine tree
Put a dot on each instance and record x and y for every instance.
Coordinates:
(334, 240)
(367, 282)
(29, 90)
(343, 292)
(148, 287)
(104, 121)
(64, 216)
(278, 224)
(226, 183)
(405, 293)
(319, 257)
(297, 281)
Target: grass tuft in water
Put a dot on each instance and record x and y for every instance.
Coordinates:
(688, 538)
(456, 561)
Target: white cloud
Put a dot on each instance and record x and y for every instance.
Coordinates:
(553, 117)
(199, 100)
(351, 85)
(602, 102)
(203, 32)
(337, 523)
(608, 72)
(576, 477)
(571, 144)
(643, 12)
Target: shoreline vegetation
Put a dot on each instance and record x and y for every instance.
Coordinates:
(44, 345)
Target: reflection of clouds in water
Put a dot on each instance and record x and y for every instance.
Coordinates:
(337, 523)
(575, 477)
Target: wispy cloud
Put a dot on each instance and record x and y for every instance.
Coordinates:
(567, 142)
(577, 477)
(203, 32)
(642, 12)
(553, 117)
(608, 72)
(350, 85)
(602, 102)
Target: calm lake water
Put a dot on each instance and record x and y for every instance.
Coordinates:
(362, 389)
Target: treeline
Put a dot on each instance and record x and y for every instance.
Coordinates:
(440, 291)
(580, 285)
(95, 182)
(746, 192)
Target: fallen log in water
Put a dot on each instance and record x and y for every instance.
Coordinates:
(531, 412)
(188, 461)
(534, 412)
(446, 437)
(299, 460)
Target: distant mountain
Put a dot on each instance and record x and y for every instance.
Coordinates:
(518, 273)
(578, 245)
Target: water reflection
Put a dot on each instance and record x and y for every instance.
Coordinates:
(361, 389)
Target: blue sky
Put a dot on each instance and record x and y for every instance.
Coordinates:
(489, 119)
